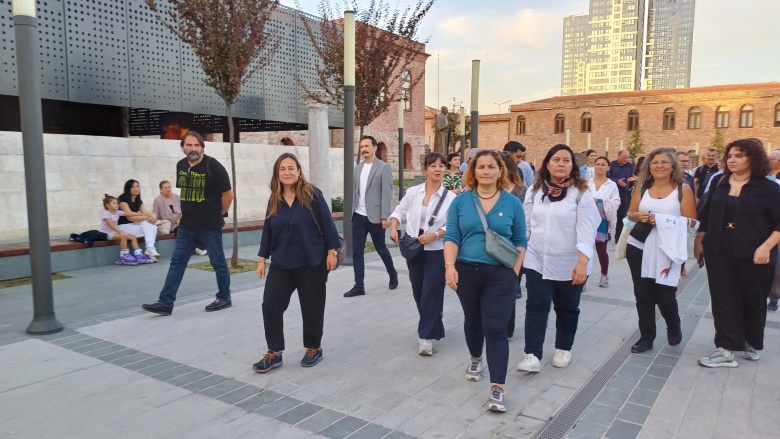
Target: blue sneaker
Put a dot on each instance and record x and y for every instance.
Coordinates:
(143, 259)
(268, 362)
(312, 357)
(126, 259)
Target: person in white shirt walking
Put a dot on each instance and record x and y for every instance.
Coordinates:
(607, 197)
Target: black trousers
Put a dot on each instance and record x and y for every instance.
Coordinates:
(625, 200)
(426, 273)
(648, 295)
(279, 286)
(738, 290)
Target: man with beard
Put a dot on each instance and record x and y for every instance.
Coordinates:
(206, 195)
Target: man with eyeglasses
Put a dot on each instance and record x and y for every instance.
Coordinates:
(621, 171)
(685, 162)
(206, 195)
(518, 153)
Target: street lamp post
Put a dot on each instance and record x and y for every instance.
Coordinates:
(28, 73)
(349, 130)
(475, 103)
(400, 148)
(462, 133)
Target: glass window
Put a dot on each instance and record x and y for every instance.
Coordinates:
(520, 125)
(559, 123)
(694, 118)
(669, 119)
(633, 120)
(721, 117)
(777, 115)
(585, 122)
(746, 116)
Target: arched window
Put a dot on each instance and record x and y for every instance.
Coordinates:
(694, 118)
(633, 120)
(721, 117)
(407, 156)
(520, 129)
(559, 123)
(585, 122)
(287, 142)
(381, 151)
(669, 119)
(746, 116)
(777, 115)
(406, 89)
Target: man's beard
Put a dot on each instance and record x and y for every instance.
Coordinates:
(193, 156)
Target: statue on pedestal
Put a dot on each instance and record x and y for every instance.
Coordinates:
(444, 128)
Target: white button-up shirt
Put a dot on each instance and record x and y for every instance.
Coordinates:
(411, 208)
(558, 232)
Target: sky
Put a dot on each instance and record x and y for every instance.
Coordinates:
(519, 43)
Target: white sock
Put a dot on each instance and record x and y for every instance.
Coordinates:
(137, 251)
(124, 252)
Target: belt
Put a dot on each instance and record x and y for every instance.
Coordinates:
(729, 226)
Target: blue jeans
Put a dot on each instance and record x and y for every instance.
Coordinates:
(186, 242)
(542, 294)
(361, 228)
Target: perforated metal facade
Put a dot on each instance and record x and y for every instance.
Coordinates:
(114, 52)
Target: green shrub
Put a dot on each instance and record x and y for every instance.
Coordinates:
(337, 204)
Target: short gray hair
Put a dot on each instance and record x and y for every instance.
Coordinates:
(679, 153)
(775, 154)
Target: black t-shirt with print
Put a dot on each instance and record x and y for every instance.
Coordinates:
(201, 194)
(135, 206)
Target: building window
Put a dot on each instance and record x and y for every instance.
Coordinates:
(777, 115)
(381, 151)
(585, 122)
(746, 116)
(694, 118)
(669, 119)
(721, 117)
(633, 120)
(520, 129)
(287, 142)
(559, 123)
(406, 89)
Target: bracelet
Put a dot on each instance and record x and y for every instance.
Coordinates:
(448, 263)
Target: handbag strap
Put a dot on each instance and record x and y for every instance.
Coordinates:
(438, 206)
(480, 212)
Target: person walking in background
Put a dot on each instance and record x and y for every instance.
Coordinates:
(704, 172)
(738, 237)
(588, 170)
(518, 154)
(486, 288)
(425, 208)
(661, 198)
(621, 171)
(300, 238)
(774, 162)
(373, 196)
(684, 160)
(167, 207)
(519, 189)
(607, 197)
(453, 176)
(137, 220)
(562, 221)
(206, 195)
(108, 225)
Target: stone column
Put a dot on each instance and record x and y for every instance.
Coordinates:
(319, 146)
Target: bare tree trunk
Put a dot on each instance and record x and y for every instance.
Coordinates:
(357, 158)
(234, 257)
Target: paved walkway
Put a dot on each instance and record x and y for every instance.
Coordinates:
(117, 371)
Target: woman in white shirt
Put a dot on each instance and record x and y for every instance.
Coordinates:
(562, 222)
(607, 197)
(426, 269)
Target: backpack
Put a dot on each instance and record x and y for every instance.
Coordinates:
(88, 237)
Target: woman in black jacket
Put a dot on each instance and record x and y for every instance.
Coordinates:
(738, 236)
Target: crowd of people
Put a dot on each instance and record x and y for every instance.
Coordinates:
(478, 227)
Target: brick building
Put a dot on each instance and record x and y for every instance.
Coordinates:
(684, 119)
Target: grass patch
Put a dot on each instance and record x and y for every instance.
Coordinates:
(407, 183)
(244, 265)
(28, 280)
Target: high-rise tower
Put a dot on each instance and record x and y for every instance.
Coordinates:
(669, 43)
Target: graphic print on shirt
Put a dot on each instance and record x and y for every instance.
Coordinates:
(193, 186)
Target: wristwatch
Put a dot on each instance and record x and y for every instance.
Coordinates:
(335, 253)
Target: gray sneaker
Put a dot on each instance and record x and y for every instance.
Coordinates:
(719, 358)
(496, 400)
(750, 353)
(604, 281)
(474, 371)
(772, 306)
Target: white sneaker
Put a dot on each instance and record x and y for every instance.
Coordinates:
(151, 252)
(426, 347)
(474, 370)
(200, 252)
(529, 364)
(561, 358)
(604, 281)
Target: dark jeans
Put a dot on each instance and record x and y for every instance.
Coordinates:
(510, 327)
(541, 295)
(625, 200)
(198, 244)
(487, 294)
(648, 294)
(426, 273)
(361, 228)
(279, 286)
(185, 245)
(739, 289)
(601, 250)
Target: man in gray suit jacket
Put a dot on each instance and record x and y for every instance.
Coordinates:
(373, 195)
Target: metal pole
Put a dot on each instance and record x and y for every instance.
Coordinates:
(28, 71)
(475, 103)
(462, 134)
(349, 130)
(400, 149)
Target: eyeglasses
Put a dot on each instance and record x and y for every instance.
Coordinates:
(663, 163)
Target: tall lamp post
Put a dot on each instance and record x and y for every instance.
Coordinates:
(28, 71)
(462, 133)
(475, 103)
(349, 130)
(401, 148)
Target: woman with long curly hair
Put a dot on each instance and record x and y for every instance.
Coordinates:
(301, 239)
(738, 237)
(562, 220)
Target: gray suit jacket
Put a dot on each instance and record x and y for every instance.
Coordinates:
(379, 190)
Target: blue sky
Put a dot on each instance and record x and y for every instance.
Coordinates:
(519, 43)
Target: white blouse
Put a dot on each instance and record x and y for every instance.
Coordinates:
(558, 232)
(411, 208)
(607, 191)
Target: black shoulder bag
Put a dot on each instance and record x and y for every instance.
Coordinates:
(411, 247)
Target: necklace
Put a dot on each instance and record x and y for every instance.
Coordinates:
(487, 198)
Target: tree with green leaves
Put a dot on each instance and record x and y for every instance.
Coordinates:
(718, 142)
(229, 38)
(635, 145)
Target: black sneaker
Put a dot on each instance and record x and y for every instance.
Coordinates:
(673, 336)
(357, 290)
(312, 357)
(218, 305)
(158, 308)
(642, 346)
(772, 306)
(393, 281)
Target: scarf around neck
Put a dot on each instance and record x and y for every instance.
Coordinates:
(556, 192)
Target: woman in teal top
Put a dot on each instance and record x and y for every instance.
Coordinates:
(486, 288)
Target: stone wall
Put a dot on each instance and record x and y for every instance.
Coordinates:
(80, 169)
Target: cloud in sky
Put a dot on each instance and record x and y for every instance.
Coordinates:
(520, 41)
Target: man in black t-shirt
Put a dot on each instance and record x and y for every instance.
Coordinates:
(705, 171)
(206, 195)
